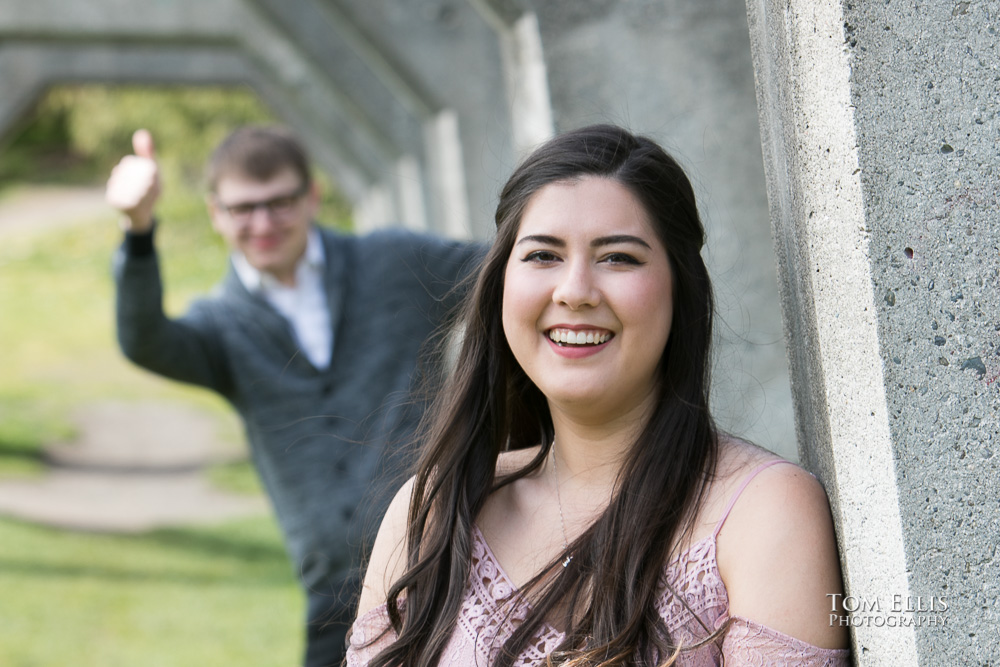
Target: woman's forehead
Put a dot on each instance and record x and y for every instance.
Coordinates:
(587, 207)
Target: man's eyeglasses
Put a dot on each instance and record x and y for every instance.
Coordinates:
(278, 208)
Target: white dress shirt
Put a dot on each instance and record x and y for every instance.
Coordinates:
(304, 305)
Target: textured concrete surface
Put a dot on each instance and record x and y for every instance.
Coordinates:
(880, 137)
(817, 205)
(927, 86)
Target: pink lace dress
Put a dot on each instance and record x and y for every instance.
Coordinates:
(490, 613)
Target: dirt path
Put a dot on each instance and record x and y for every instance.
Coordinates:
(134, 465)
(41, 208)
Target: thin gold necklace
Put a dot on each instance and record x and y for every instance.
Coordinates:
(562, 521)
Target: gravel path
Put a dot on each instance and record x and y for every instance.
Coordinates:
(135, 466)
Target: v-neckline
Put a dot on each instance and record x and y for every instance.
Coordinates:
(515, 588)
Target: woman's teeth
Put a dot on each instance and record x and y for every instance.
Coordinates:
(568, 337)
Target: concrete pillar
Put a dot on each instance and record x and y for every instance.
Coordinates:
(424, 137)
(525, 73)
(880, 134)
(184, 42)
(442, 61)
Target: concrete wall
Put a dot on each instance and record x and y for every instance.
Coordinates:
(880, 133)
(340, 73)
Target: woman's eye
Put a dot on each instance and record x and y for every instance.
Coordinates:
(540, 256)
(621, 258)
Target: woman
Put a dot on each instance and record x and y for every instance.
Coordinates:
(575, 504)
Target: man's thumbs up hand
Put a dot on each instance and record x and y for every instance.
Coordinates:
(134, 185)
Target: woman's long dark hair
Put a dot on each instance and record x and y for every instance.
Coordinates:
(605, 599)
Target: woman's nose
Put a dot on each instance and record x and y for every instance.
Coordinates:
(576, 287)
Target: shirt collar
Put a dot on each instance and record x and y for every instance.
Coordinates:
(255, 281)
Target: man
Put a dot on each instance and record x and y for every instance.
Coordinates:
(312, 336)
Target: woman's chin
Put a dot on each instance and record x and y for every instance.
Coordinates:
(600, 403)
(586, 406)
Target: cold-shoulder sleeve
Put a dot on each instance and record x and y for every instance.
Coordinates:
(370, 635)
(749, 644)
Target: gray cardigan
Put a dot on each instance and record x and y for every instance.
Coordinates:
(330, 445)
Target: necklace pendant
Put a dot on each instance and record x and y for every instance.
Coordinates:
(568, 560)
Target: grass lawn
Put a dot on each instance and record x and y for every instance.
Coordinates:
(220, 595)
(57, 346)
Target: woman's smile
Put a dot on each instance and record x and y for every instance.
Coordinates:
(563, 337)
(576, 344)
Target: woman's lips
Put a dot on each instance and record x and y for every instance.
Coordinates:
(576, 343)
(575, 337)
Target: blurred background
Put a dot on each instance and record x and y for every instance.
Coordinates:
(132, 530)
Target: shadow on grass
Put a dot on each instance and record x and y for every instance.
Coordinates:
(245, 548)
(20, 458)
(26, 425)
(234, 556)
(34, 569)
(20, 450)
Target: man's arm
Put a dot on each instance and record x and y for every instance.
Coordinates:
(186, 349)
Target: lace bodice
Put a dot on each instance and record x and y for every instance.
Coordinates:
(491, 611)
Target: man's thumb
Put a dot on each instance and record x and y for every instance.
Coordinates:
(142, 144)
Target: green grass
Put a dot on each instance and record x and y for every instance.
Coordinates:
(224, 595)
(26, 424)
(56, 326)
(239, 477)
(218, 595)
(57, 346)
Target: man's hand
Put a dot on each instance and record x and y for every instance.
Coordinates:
(134, 185)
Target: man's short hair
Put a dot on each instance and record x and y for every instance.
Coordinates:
(258, 152)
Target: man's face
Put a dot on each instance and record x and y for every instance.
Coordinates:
(266, 221)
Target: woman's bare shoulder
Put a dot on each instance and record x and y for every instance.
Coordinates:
(388, 558)
(738, 458)
(768, 501)
(777, 551)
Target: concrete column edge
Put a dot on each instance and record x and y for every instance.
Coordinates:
(819, 222)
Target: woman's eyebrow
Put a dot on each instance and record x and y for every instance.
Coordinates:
(616, 239)
(544, 239)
